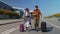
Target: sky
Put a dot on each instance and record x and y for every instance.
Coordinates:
(47, 7)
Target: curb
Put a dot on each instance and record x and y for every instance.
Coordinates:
(10, 23)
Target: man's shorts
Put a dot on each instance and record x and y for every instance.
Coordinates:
(36, 23)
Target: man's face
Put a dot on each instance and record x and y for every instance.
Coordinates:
(36, 8)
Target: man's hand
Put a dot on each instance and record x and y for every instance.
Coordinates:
(33, 14)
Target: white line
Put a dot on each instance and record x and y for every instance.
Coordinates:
(9, 31)
(53, 24)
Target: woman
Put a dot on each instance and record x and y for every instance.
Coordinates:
(27, 19)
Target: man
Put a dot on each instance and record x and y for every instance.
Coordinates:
(36, 14)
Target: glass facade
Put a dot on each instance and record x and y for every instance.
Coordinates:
(8, 7)
(5, 6)
(19, 11)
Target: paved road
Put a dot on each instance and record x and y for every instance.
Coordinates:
(53, 27)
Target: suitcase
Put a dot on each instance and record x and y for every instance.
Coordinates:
(43, 26)
(21, 27)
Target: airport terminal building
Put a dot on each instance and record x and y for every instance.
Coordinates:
(10, 8)
(5, 6)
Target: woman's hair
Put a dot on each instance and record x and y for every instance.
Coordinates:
(27, 9)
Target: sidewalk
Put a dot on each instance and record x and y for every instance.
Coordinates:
(3, 22)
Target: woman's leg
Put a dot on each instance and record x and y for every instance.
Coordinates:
(27, 29)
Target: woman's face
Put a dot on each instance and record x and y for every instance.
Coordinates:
(26, 10)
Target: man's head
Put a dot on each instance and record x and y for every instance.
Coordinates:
(26, 10)
(36, 7)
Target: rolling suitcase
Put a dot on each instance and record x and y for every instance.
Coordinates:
(43, 26)
(21, 27)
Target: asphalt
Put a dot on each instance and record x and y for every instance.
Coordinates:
(51, 29)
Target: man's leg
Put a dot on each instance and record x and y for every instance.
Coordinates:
(38, 21)
(36, 24)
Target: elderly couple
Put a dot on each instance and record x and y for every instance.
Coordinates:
(27, 18)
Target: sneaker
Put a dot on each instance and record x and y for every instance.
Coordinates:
(28, 30)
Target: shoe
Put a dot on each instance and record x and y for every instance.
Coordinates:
(28, 30)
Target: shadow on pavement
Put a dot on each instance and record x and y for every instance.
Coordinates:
(39, 29)
(49, 29)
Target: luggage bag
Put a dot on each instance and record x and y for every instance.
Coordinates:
(43, 26)
(21, 27)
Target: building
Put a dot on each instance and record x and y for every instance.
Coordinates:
(5, 6)
(20, 11)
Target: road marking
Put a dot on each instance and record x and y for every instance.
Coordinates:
(53, 24)
(9, 31)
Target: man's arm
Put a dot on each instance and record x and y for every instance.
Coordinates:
(33, 12)
(40, 13)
